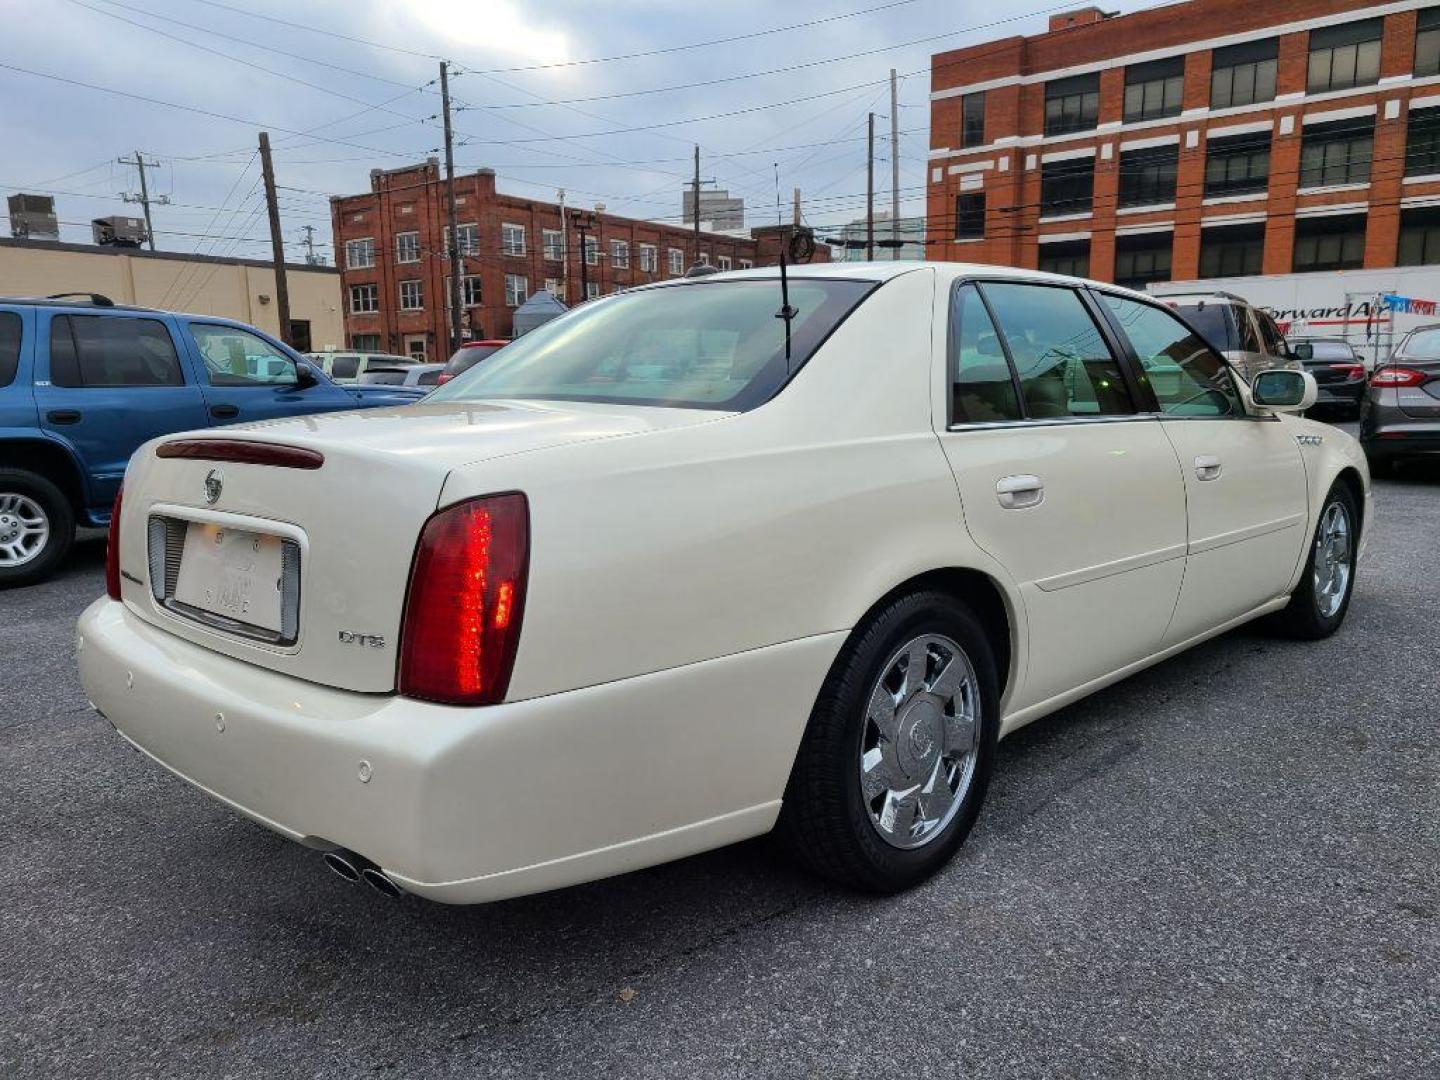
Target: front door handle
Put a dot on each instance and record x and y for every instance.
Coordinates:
(63, 416)
(1208, 467)
(224, 412)
(1019, 492)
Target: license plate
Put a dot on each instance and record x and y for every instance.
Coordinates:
(233, 573)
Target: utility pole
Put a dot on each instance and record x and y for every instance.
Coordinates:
(277, 242)
(311, 259)
(144, 197)
(696, 206)
(870, 192)
(564, 251)
(583, 224)
(454, 252)
(894, 168)
(795, 210)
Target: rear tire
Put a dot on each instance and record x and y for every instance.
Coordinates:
(1320, 601)
(37, 526)
(848, 774)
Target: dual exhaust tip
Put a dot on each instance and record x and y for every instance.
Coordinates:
(356, 868)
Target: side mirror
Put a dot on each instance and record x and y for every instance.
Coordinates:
(1304, 351)
(305, 377)
(1283, 390)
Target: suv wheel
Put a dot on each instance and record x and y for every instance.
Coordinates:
(37, 526)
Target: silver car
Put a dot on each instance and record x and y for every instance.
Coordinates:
(1245, 335)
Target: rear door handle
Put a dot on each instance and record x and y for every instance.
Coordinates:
(224, 412)
(1019, 492)
(63, 416)
(1208, 467)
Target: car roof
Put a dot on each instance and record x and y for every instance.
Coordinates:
(67, 302)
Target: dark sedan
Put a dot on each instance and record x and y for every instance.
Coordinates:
(1339, 373)
(1400, 417)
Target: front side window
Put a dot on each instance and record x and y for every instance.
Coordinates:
(1330, 243)
(1185, 374)
(364, 299)
(982, 388)
(237, 358)
(1140, 260)
(1427, 41)
(1148, 176)
(620, 254)
(411, 296)
(1070, 257)
(1237, 164)
(1154, 89)
(1063, 364)
(99, 350)
(1419, 239)
(972, 120)
(1422, 142)
(517, 289)
(713, 344)
(360, 254)
(1244, 74)
(1072, 104)
(1344, 56)
(9, 346)
(970, 216)
(407, 247)
(512, 239)
(1232, 250)
(1338, 152)
(1067, 187)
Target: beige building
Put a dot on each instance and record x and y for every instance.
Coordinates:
(242, 289)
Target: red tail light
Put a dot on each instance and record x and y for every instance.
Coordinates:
(466, 597)
(1352, 371)
(112, 550)
(1397, 376)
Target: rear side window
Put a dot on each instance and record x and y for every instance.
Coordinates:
(1065, 367)
(1270, 334)
(1216, 323)
(344, 367)
(981, 386)
(1188, 378)
(9, 346)
(428, 378)
(100, 350)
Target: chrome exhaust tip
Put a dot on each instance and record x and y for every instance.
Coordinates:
(345, 864)
(377, 880)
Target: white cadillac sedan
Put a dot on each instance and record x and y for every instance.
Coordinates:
(707, 559)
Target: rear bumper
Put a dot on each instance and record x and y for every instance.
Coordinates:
(1340, 393)
(1392, 439)
(468, 805)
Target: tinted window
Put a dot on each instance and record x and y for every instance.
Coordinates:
(428, 378)
(344, 367)
(467, 357)
(982, 387)
(1421, 344)
(1065, 367)
(703, 344)
(1330, 350)
(1270, 335)
(100, 350)
(236, 358)
(1188, 378)
(1215, 322)
(9, 346)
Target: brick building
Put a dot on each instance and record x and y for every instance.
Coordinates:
(391, 241)
(1199, 139)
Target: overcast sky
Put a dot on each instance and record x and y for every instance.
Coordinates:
(336, 108)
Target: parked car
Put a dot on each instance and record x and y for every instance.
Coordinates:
(1400, 416)
(577, 615)
(84, 382)
(1339, 372)
(350, 367)
(1242, 333)
(423, 375)
(469, 354)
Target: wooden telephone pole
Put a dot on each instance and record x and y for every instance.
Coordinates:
(277, 242)
(870, 192)
(454, 245)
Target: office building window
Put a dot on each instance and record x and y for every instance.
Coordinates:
(747, 264)
(1232, 250)
(1344, 56)
(1338, 152)
(592, 251)
(407, 247)
(723, 262)
(469, 291)
(649, 258)
(512, 239)
(1335, 242)
(970, 216)
(365, 342)
(552, 286)
(412, 298)
(1148, 176)
(1067, 187)
(1154, 89)
(1237, 164)
(360, 254)
(1244, 74)
(1420, 237)
(468, 238)
(1422, 142)
(1142, 259)
(1070, 257)
(972, 120)
(1072, 104)
(677, 262)
(517, 289)
(592, 290)
(620, 254)
(1427, 42)
(364, 299)
(553, 243)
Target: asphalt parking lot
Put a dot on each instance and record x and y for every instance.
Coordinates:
(1228, 865)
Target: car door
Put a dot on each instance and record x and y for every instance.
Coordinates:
(246, 377)
(1245, 486)
(1062, 481)
(105, 383)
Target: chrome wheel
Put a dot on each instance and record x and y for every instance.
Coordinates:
(918, 748)
(1332, 560)
(24, 529)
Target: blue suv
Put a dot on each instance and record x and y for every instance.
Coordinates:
(84, 382)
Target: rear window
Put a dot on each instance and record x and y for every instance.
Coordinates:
(383, 377)
(1330, 350)
(700, 345)
(105, 350)
(466, 358)
(1214, 322)
(9, 346)
(1422, 344)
